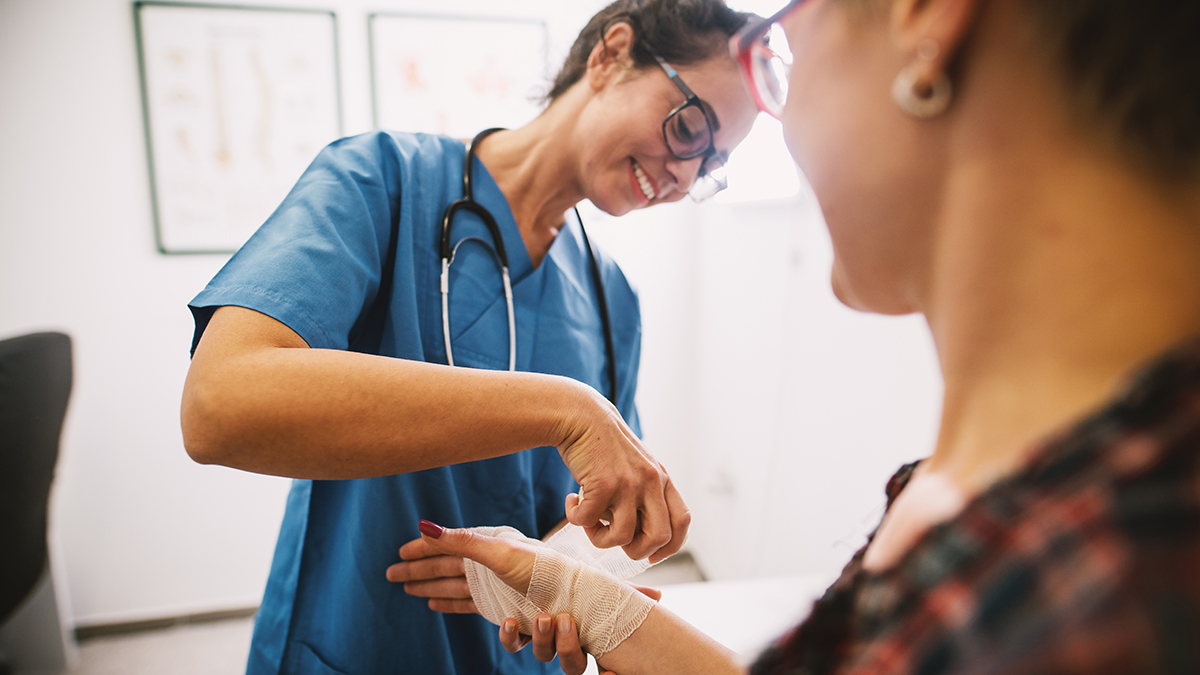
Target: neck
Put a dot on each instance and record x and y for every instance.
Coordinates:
(534, 168)
(1056, 274)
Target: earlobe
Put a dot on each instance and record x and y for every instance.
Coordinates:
(931, 35)
(919, 90)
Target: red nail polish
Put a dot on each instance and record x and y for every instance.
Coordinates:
(431, 530)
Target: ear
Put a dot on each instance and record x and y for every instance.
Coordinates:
(610, 58)
(931, 33)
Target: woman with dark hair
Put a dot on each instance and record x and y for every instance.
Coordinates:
(1026, 175)
(291, 372)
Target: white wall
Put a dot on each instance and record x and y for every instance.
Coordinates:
(778, 410)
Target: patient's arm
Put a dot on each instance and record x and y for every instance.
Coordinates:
(663, 643)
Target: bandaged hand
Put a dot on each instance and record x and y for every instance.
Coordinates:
(510, 575)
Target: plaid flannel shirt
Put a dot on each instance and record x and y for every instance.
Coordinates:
(1087, 561)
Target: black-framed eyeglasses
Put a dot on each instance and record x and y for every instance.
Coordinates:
(764, 59)
(688, 132)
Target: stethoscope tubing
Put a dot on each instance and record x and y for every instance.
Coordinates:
(449, 252)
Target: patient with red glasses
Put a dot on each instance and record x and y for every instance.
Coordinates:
(1026, 175)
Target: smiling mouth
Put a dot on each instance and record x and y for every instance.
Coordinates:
(643, 181)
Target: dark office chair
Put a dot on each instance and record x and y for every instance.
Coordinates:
(35, 383)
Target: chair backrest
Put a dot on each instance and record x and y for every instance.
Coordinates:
(35, 383)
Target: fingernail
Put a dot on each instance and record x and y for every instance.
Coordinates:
(510, 626)
(431, 530)
(544, 624)
(564, 625)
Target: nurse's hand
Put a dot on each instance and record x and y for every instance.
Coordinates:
(426, 573)
(626, 498)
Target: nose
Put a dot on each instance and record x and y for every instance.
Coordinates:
(683, 172)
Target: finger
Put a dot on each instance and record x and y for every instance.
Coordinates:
(452, 589)
(571, 507)
(571, 658)
(453, 606)
(440, 567)
(591, 506)
(543, 638)
(511, 638)
(652, 593)
(681, 520)
(620, 532)
(653, 528)
(417, 549)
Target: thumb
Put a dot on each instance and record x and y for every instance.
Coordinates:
(459, 542)
(510, 560)
(588, 512)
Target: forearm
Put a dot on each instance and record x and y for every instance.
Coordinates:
(664, 644)
(327, 414)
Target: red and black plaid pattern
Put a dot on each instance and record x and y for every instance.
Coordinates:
(1087, 561)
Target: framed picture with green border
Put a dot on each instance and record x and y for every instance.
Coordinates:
(456, 75)
(238, 101)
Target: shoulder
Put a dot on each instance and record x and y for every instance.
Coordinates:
(1099, 543)
(395, 149)
(1118, 533)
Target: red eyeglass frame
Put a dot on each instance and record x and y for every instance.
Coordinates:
(742, 46)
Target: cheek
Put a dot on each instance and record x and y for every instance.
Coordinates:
(854, 155)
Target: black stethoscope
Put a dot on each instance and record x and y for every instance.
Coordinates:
(448, 252)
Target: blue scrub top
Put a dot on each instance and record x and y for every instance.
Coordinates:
(315, 266)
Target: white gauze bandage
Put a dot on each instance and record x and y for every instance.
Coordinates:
(571, 576)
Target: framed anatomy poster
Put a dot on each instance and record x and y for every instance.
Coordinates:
(238, 101)
(456, 75)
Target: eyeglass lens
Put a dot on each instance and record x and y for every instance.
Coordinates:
(688, 132)
(771, 63)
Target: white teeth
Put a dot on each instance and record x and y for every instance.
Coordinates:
(643, 182)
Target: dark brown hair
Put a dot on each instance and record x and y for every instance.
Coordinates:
(1134, 66)
(683, 32)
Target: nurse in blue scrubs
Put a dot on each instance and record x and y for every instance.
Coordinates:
(292, 375)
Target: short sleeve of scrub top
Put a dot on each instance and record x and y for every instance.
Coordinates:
(315, 266)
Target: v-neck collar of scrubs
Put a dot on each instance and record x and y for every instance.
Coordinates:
(520, 265)
(562, 260)
(488, 193)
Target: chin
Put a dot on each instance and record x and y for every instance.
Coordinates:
(615, 208)
(842, 290)
(867, 293)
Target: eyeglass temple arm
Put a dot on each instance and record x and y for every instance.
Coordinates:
(687, 91)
